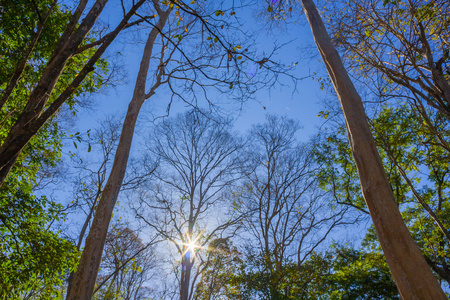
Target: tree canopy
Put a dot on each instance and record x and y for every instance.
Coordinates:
(185, 204)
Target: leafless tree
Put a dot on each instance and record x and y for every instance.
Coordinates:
(127, 266)
(188, 204)
(289, 216)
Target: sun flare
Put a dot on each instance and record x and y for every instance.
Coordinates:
(192, 245)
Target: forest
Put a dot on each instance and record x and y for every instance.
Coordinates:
(144, 154)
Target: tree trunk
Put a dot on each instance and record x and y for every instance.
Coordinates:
(409, 269)
(83, 283)
(185, 276)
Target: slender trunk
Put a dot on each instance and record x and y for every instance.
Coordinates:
(186, 264)
(185, 276)
(83, 283)
(419, 199)
(409, 269)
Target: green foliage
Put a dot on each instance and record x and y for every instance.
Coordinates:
(407, 144)
(339, 273)
(357, 274)
(35, 258)
(221, 269)
(17, 25)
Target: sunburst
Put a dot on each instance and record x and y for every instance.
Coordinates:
(192, 244)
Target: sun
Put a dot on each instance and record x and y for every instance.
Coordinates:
(192, 245)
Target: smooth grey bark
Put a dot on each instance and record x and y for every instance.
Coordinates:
(83, 283)
(409, 269)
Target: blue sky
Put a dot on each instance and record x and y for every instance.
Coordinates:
(301, 105)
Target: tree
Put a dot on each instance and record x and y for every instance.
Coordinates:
(406, 147)
(209, 67)
(222, 265)
(49, 55)
(287, 216)
(58, 65)
(83, 282)
(401, 48)
(402, 254)
(34, 258)
(197, 163)
(341, 272)
(126, 266)
(346, 273)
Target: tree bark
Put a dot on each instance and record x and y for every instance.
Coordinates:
(185, 276)
(83, 283)
(409, 269)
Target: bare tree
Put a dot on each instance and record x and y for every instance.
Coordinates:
(289, 216)
(187, 206)
(411, 273)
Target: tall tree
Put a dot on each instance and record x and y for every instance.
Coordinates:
(402, 254)
(417, 168)
(82, 285)
(288, 215)
(198, 162)
(48, 57)
(34, 257)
